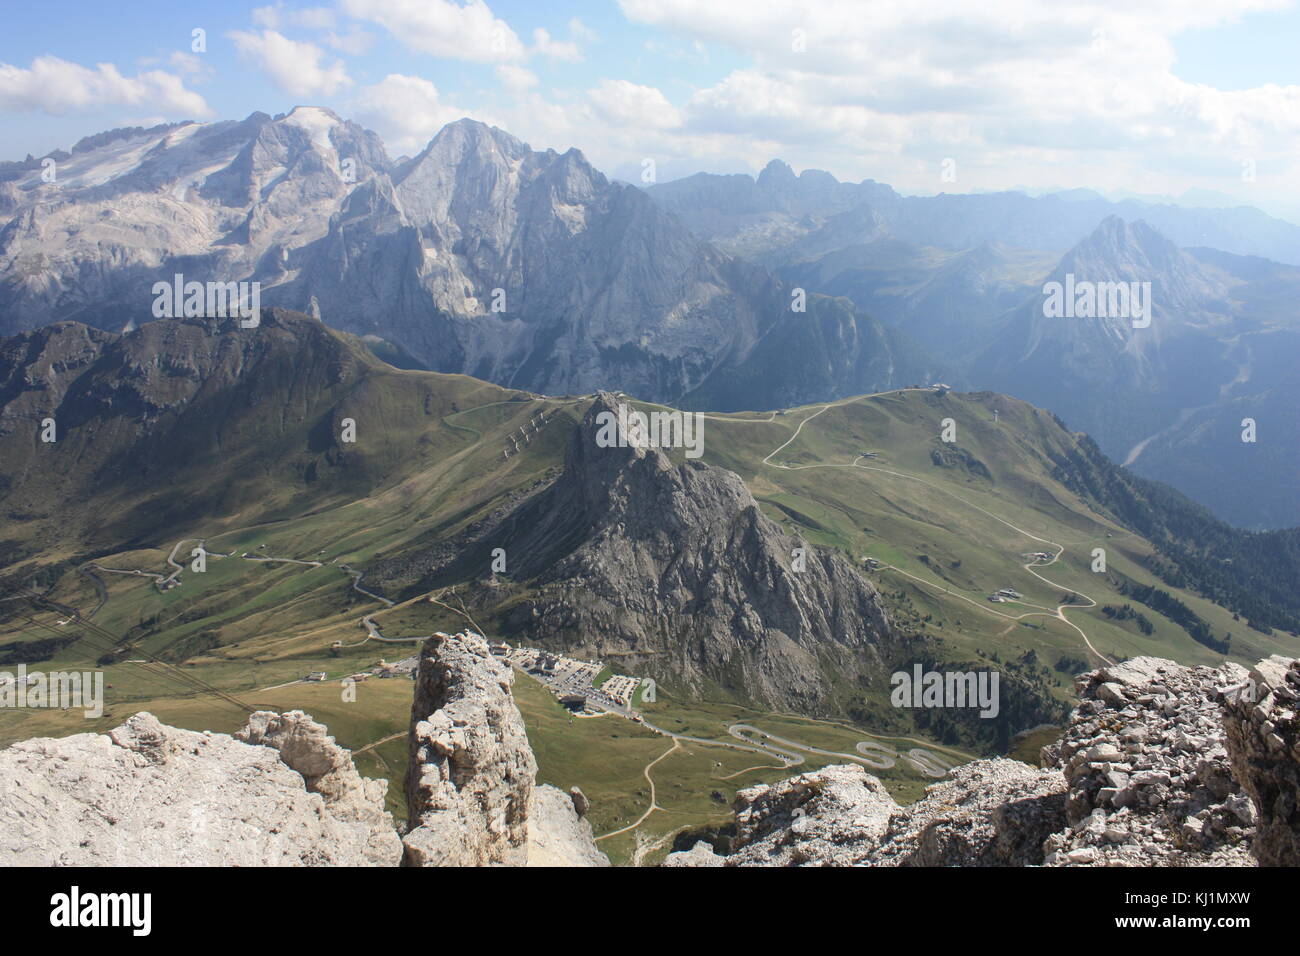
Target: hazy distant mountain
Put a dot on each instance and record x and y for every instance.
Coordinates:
(946, 301)
(765, 218)
(1168, 399)
(479, 255)
(963, 277)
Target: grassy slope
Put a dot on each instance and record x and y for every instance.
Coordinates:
(273, 623)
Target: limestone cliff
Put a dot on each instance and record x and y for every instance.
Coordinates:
(1261, 717)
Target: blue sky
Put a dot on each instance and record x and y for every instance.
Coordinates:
(1153, 97)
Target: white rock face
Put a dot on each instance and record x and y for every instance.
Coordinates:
(281, 792)
(151, 795)
(471, 790)
(557, 835)
(327, 769)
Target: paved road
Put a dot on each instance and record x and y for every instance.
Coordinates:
(869, 753)
(356, 585)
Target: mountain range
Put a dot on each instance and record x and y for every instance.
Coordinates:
(532, 270)
(966, 278)
(799, 562)
(479, 255)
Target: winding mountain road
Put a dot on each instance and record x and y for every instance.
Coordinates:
(1058, 612)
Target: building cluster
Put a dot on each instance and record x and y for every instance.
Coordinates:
(571, 680)
(1005, 594)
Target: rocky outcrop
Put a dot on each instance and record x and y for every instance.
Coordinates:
(1261, 717)
(327, 769)
(471, 788)
(1146, 774)
(699, 855)
(627, 552)
(988, 813)
(557, 834)
(1149, 777)
(280, 793)
(826, 818)
(470, 780)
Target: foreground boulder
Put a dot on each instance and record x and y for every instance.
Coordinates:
(326, 768)
(989, 813)
(470, 786)
(1147, 773)
(1150, 783)
(1261, 718)
(146, 794)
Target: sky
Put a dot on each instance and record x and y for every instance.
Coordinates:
(1191, 99)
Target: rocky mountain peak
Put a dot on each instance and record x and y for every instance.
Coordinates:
(471, 789)
(468, 140)
(626, 550)
(777, 176)
(610, 458)
(1181, 292)
(479, 256)
(1125, 250)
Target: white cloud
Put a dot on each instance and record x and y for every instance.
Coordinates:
(443, 28)
(354, 42)
(582, 33)
(623, 103)
(405, 110)
(516, 78)
(555, 49)
(1032, 91)
(294, 66)
(279, 16)
(56, 86)
(190, 65)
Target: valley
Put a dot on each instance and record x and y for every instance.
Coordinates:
(323, 583)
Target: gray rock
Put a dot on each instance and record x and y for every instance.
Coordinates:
(1263, 742)
(580, 802)
(151, 795)
(471, 790)
(625, 551)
